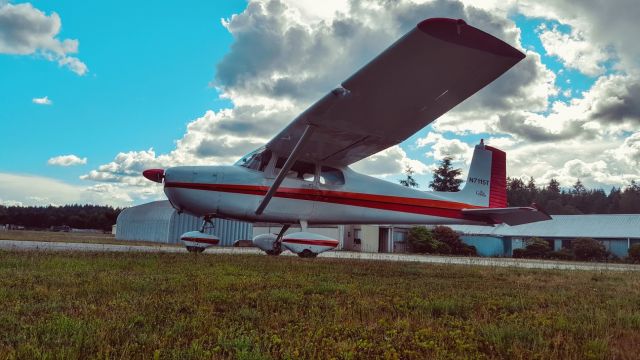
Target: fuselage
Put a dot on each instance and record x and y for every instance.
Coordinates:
(340, 197)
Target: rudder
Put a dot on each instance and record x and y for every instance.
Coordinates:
(486, 184)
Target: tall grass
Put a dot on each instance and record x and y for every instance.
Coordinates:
(185, 306)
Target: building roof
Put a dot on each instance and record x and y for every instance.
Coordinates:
(565, 226)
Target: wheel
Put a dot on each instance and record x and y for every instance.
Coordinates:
(307, 254)
(273, 252)
(195, 249)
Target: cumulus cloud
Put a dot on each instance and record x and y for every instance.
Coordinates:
(441, 147)
(25, 30)
(23, 189)
(42, 101)
(573, 50)
(67, 160)
(282, 59)
(285, 55)
(391, 161)
(603, 24)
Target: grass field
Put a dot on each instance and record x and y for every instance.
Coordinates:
(126, 305)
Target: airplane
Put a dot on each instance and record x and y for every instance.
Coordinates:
(302, 175)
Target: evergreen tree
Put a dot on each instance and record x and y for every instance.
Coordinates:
(445, 177)
(409, 181)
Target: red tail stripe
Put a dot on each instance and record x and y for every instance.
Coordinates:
(498, 187)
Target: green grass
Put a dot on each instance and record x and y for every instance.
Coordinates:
(182, 306)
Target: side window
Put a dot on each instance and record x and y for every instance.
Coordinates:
(300, 170)
(331, 176)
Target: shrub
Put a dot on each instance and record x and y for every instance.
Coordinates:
(451, 242)
(562, 254)
(634, 253)
(421, 240)
(589, 249)
(519, 253)
(536, 249)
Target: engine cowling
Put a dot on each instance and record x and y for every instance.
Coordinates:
(307, 244)
(197, 241)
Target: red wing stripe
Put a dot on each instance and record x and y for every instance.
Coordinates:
(332, 243)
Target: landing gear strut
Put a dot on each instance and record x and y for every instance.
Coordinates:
(198, 241)
(277, 245)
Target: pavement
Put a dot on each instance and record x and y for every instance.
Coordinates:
(17, 245)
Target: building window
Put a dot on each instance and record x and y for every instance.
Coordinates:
(356, 236)
(400, 235)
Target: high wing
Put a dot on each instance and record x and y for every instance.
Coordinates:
(431, 69)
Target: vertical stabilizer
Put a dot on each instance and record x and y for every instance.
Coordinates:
(487, 181)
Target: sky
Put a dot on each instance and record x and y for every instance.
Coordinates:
(92, 93)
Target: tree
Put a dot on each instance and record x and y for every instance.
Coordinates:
(634, 253)
(421, 240)
(445, 177)
(553, 187)
(409, 181)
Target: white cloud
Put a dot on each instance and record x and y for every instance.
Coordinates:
(574, 50)
(388, 162)
(67, 160)
(42, 101)
(25, 30)
(288, 54)
(41, 191)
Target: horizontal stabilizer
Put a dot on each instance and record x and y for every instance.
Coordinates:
(510, 216)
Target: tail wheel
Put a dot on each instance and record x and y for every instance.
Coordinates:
(195, 249)
(307, 254)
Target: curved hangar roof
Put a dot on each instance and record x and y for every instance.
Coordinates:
(566, 226)
(158, 221)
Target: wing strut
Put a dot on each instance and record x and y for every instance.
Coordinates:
(308, 130)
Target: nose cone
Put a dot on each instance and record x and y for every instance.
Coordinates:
(154, 175)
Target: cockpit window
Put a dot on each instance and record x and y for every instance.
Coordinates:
(300, 170)
(256, 160)
(331, 176)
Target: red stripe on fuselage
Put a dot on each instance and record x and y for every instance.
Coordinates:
(449, 209)
(331, 243)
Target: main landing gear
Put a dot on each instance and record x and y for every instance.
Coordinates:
(198, 241)
(303, 244)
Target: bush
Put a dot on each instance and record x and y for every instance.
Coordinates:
(519, 253)
(562, 254)
(589, 249)
(421, 240)
(451, 242)
(634, 253)
(536, 249)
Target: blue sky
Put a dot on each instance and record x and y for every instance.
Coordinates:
(150, 70)
(149, 74)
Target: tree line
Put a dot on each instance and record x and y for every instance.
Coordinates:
(75, 216)
(551, 197)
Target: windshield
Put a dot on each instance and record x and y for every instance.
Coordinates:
(255, 160)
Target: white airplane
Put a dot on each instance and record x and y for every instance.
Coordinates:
(302, 175)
